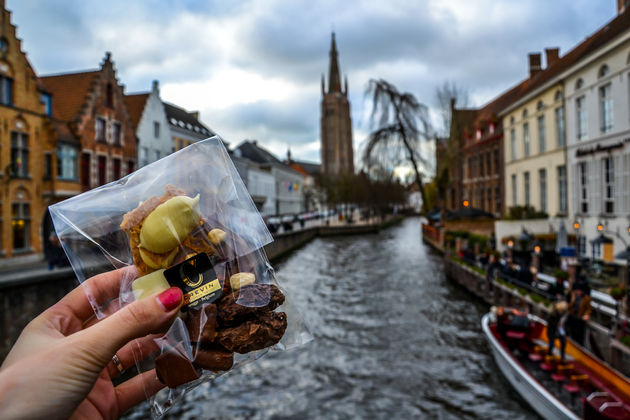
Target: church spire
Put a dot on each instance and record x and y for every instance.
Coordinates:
(334, 79)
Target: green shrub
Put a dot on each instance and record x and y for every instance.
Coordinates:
(561, 274)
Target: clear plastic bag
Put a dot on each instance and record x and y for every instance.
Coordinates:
(186, 220)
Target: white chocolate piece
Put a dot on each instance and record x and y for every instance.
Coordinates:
(239, 280)
(167, 226)
(216, 236)
(151, 283)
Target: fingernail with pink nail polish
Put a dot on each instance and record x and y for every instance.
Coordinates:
(170, 298)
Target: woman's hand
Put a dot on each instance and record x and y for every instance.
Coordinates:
(60, 367)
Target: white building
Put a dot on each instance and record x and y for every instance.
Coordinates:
(262, 187)
(289, 184)
(185, 127)
(150, 124)
(597, 95)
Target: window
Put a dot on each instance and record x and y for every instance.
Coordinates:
(582, 127)
(6, 91)
(144, 156)
(512, 120)
(116, 132)
(86, 171)
(542, 141)
(478, 134)
(583, 198)
(47, 101)
(495, 155)
(481, 165)
(100, 129)
(606, 108)
(116, 164)
(603, 71)
(513, 190)
(609, 185)
(48, 165)
(526, 138)
(526, 187)
(560, 130)
(579, 84)
(497, 199)
(562, 189)
(20, 224)
(542, 178)
(109, 95)
(157, 155)
(491, 128)
(67, 162)
(489, 197)
(540, 105)
(558, 96)
(513, 143)
(102, 170)
(19, 154)
(156, 129)
(482, 198)
(130, 166)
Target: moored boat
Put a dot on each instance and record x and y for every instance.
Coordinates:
(581, 386)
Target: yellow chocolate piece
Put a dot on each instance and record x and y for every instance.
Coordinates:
(151, 283)
(169, 224)
(216, 236)
(158, 260)
(239, 280)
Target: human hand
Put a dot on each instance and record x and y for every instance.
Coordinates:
(586, 317)
(61, 365)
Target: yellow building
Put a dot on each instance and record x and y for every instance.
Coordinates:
(26, 138)
(535, 142)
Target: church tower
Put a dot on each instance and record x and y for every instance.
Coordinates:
(336, 124)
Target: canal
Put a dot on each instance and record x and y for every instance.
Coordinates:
(394, 339)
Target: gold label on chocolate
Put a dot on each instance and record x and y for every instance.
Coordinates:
(197, 279)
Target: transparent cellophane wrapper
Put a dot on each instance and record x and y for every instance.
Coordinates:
(89, 229)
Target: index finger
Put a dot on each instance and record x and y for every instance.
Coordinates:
(93, 293)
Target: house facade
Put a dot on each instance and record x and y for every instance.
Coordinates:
(184, 126)
(597, 90)
(27, 142)
(151, 126)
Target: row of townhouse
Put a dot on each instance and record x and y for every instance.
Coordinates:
(66, 133)
(559, 141)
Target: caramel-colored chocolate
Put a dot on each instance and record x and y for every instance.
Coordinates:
(248, 302)
(214, 359)
(264, 331)
(202, 329)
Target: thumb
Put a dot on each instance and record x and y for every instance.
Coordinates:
(142, 317)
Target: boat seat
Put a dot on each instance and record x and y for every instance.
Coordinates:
(565, 368)
(549, 365)
(535, 357)
(558, 377)
(540, 350)
(515, 335)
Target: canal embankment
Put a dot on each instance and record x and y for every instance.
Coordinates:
(499, 291)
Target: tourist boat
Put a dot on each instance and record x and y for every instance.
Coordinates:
(580, 387)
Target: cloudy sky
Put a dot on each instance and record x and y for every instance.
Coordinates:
(253, 68)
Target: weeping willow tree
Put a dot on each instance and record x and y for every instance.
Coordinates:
(400, 125)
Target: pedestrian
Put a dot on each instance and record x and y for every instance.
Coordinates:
(63, 363)
(579, 309)
(556, 327)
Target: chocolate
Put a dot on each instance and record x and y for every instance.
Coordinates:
(248, 302)
(214, 359)
(264, 331)
(202, 328)
(173, 368)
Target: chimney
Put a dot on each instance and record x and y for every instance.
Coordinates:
(622, 6)
(195, 114)
(552, 55)
(155, 86)
(534, 64)
(453, 101)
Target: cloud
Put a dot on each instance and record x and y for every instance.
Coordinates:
(253, 68)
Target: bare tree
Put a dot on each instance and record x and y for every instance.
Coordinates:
(401, 124)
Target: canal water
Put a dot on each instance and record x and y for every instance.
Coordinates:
(394, 339)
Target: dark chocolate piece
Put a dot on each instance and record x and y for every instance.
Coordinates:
(214, 359)
(264, 331)
(174, 369)
(202, 329)
(248, 302)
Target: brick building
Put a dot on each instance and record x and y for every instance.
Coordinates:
(25, 138)
(336, 124)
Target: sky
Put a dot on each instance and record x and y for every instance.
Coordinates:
(253, 68)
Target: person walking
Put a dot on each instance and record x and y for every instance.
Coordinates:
(579, 309)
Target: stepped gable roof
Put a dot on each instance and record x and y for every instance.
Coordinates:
(135, 106)
(69, 92)
(597, 40)
(179, 117)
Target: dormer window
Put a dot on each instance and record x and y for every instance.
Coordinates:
(491, 128)
(579, 84)
(603, 71)
(478, 134)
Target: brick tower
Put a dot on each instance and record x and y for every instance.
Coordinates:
(336, 124)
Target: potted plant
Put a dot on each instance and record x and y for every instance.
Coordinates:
(618, 292)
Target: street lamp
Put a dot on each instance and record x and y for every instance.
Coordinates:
(466, 203)
(576, 225)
